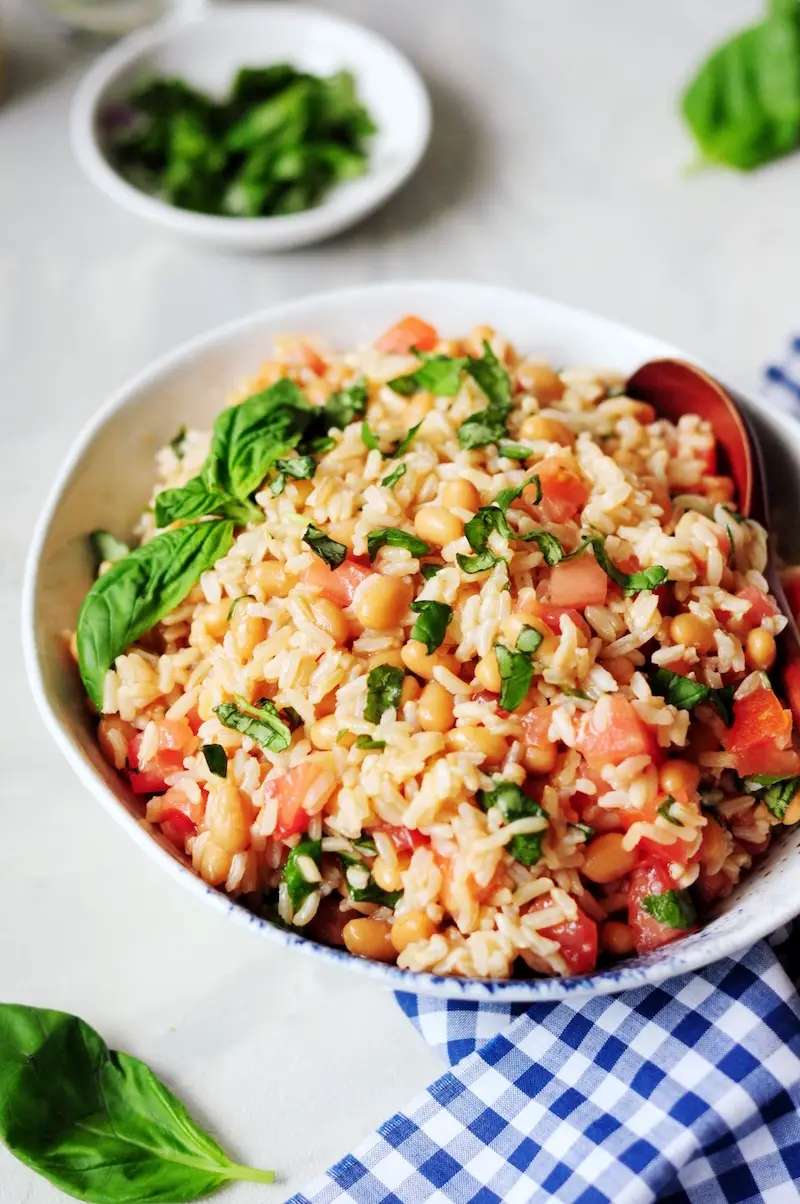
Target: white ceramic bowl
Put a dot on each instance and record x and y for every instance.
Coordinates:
(107, 480)
(207, 49)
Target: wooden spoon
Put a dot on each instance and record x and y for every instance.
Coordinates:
(674, 388)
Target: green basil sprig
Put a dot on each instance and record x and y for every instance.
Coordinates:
(262, 723)
(384, 686)
(673, 908)
(138, 591)
(431, 626)
(98, 1123)
(515, 804)
(395, 538)
(743, 106)
(196, 500)
(685, 694)
(328, 550)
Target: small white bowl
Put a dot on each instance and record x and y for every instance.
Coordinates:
(107, 481)
(207, 50)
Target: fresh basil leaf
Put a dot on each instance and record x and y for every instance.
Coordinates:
(486, 520)
(506, 496)
(293, 718)
(107, 548)
(529, 640)
(514, 451)
(248, 438)
(196, 500)
(368, 438)
(402, 447)
(391, 480)
(138, 591)
(587, 832)
(430, 570)
(665, 813)
(438, 374)
(514, 804)
(431, 626)
(297, 885)
(743, 106)
(262, 724)
(384, 686)
(722, 702)
(301, 468)
(98, 1123)
(548, 545)
(673, 909)
(630, 583)
(766, 779)
(371, 892)
(685, 694)
(235, 603)
(278, 484)
(778, 796)
(367, 743)
(487, 426)
(345, 406)
(319, 445)
(327, 549)
(395, 538)
(478, 563)
(516, 675)
(490, 375)
(178, 443)
(577, 694)
(216, 759)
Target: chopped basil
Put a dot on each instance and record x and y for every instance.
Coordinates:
(370, 892)
(384, 686)
(262, 723)
(368, 438)
(395, 538)
(584, 829)
(319, 445)
(482, 524)
(216, 759)
(765, 779)
(630, 583)
(345, 406)
(516, 675)
(297, 885)
(673, 908)
(529, 640)
(430, 570)
(302, 468)
(665, 813)
(513, 804)
(327, 549)
(514, 451)
(577, 694)
(438, 374)
(506, 496)
(178, 443)
(489, 425)
(548, 545)
(404, 443)
(478, 563)
(366, 742)
(778, 796)
(236, 602)
(106, 547)
(293, 718)
(685, 694)
(277, 486)
(391, 480)
(431, 626)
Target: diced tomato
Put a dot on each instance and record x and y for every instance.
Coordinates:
(551, 615)
(405, 840)
(761, 606)
(577, 938)
(175, 740)
(563, 491)
(776, 762)
(338, 584)
(535, 726)
(648, 933)
(578, 583)
(707, 455)
(176, 814)
(290, 790)
(678, 851)
(758, 719)
(624, 735)
(300, 352)
(177, 827)
(790, 580)
(488, 696)
(791, 684)
(407, 334)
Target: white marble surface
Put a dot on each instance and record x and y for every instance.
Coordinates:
(557, 164)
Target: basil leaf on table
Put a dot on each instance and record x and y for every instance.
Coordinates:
(98, 1123)
(106, 547)
(297, 885)
(393, 537)
(516, 675)
(743, 106)
(685, 694)
(196, 500)
(138, 591)
(328, 550)
(261, 723)
(437, 374)
(384, 686)
(249, 437)
(431, 626)
(514, 804)
(673, 908)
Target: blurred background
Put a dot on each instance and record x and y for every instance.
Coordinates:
(558, 163)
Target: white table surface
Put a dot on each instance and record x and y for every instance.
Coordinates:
(557, 164)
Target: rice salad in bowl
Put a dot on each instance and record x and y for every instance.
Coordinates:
(449, 657)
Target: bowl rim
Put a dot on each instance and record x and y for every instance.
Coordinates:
(326, 218)
(626, 976)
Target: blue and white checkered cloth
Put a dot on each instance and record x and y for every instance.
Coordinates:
(685, 1093)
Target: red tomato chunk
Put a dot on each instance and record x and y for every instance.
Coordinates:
(648, 932)
(407, 334)
(577, 938)
(623, 735)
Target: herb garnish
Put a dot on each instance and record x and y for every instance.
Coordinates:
(393, 477)
(438, 374)
(395, 538)
(262, 723)
(328, 550)
(297, 885)
(673, 908)
(431, 626)
(685, 694)
(216, 759)
(489, 425)
(516, 675)
(515, 804)
(384, 686)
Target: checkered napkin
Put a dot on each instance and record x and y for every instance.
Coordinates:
(684, 1092)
